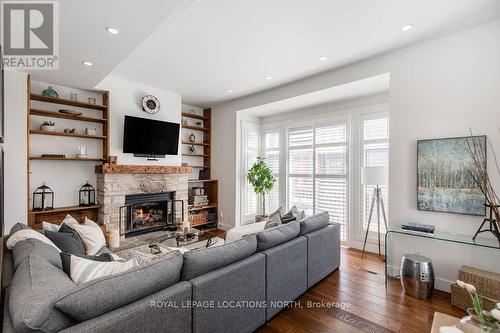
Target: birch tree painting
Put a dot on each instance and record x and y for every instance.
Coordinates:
(444, 181)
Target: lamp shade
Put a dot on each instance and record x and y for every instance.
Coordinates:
(375, 176)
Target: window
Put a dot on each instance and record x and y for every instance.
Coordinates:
(375, 152)
(318, 170)
(271, 152)
(250, 142)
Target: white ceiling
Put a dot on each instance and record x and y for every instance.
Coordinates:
(82, 36)
(202, 48)
(374, 85)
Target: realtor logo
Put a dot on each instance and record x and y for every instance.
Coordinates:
(30, 35)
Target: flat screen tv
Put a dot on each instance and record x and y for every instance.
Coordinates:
(150, 138)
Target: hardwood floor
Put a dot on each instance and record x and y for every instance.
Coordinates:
(365, 306)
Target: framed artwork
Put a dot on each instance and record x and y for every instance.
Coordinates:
(444, 180)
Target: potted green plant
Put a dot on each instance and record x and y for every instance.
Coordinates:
(486, 321)
(261, 178)
(48, 126)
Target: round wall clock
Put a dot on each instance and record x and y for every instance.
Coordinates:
(150, 104)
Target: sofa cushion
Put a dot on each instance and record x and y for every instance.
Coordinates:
(36, 286)
(241, 231)
(198, 262)
(23, 250)
(314, 222)
(277, 235)
(91, 235)
(26, 234)
(104, 294)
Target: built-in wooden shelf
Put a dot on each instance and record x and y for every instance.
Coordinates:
(123, 168)
(52, 114)
(200, 166)
(211, 205)
(57, 100)
(195, 155)
(195, 143)
(66, 159)
(201, 180)
(84, 136)
(195, 116)
(196, 128)
(64, 209)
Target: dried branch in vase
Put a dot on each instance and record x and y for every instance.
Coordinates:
(480, 174)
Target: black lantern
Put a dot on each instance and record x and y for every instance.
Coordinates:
(87, 195)
(43, 198)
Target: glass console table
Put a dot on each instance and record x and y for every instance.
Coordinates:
(452, 237)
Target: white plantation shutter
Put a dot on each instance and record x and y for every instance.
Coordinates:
(250, 151)
(271, 152)
(318, 170)
(375, 152)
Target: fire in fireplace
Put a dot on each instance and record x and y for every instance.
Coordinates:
(147, 212)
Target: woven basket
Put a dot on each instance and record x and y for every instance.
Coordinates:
(487, 283)
(199, 218)
(461, 299)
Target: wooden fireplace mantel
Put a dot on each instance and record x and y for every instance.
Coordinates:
(152, 169)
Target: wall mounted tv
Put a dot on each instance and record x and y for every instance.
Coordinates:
(150, 138)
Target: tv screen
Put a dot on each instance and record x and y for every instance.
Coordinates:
(143, 136)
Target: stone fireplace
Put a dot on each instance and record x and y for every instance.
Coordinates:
(140, 198)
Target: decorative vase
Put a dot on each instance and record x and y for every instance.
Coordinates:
(484, 326)
(192, 137)
(50, 92)
(47, 128)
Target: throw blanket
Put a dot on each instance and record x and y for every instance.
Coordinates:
(239, 232)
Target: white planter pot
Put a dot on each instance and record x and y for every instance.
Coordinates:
(47, 128)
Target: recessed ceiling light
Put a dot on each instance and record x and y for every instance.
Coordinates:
(269, 77)
(407, 27)
(229, 91)
(323, 58)
(112, 31)
(87, 63)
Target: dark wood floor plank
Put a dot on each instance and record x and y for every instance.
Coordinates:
(369, 307)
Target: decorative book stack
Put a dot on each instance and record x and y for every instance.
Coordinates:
(427, 228)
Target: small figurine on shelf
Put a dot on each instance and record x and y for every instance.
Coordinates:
(191, 150)
(192, 137)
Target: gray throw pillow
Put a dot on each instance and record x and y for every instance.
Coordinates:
(66, 240)
(273, 221)
(278, 212)
(105, 294)
(18, 226)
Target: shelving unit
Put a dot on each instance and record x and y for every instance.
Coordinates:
(204, 154)
(56, 215)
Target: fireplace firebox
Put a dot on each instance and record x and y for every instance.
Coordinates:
(148, 212)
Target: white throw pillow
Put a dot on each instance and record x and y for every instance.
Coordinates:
(69, 220)
(295, 211)
(27, 234)
(83, 270)
(91, 235)
(46, 226)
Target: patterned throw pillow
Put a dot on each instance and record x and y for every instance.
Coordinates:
(146, 258)
(273, 221)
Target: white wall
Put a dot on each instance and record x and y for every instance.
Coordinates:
(125, 99)
(66, 177)
(15, 149)
(438, 89)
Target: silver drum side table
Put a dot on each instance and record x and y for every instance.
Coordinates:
(417, 276)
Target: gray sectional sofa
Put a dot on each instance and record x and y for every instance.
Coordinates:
(236, 287)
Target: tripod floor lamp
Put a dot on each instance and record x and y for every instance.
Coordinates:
(375, 176)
